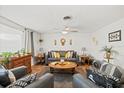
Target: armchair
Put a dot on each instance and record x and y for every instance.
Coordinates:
(44, 81)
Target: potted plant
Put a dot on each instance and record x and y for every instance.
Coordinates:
(108, 52)
(6, 58)
(23, 51)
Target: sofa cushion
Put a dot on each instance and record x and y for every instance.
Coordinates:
(71, 59)
(4, 79)
(53, 59)
(117, 73)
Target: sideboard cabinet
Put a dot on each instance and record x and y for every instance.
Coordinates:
(21, 61)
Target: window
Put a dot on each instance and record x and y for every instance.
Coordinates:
(11, 40)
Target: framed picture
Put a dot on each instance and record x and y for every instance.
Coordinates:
(114, 36)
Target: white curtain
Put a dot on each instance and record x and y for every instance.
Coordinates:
(27, 40)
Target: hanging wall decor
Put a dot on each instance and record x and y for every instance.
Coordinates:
(114, 36)
(55, 42)
(71, 42)
(62, 40)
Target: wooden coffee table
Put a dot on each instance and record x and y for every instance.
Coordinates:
(62, 66)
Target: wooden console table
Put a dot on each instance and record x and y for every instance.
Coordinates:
(21, 61)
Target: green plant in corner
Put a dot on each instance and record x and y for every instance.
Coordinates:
(23, 51)
(108, 52)
(6, 58)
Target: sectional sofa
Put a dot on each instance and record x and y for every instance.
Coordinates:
(103, 68)
(46, 80)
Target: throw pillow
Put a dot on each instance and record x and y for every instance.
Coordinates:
(21, 83)
(4, 79)
(11, 76)
(68, 55)
(117, 74)
(62, 53)
(56, 55)
(52, 54)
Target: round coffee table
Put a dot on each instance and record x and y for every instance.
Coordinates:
(62, 66)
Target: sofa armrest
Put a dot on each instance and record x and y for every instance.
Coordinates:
(45, 81)
(46, 59)
(1, 86)
(19, 72)
(77, 57)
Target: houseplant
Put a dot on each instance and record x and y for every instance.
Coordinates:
(6, 58)
(23, 51)
(109, 51)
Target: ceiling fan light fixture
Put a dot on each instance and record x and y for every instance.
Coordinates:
(64, 32)
(67, 28)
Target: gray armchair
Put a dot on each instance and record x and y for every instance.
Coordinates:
(44, 81)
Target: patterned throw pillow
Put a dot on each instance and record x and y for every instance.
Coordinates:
(56, 55)
(69, 54)
(11, 76)
(24, 81)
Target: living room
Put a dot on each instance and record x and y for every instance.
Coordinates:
(54, 46)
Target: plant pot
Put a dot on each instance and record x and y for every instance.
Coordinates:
(108, 55)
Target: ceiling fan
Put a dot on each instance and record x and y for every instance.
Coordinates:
(67, 28)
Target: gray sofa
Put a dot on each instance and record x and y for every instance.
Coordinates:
(44, 81)
(50, 58)
(80, 81)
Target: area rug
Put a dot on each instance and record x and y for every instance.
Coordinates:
(62, 80)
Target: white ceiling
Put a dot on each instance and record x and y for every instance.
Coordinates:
(49, 18)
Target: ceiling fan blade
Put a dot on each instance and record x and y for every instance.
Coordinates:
(74, 31)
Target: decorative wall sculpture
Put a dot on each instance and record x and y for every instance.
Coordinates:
(62, 40)
(71, 42)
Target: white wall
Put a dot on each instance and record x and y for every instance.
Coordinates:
(79, 40)
(101, 40)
